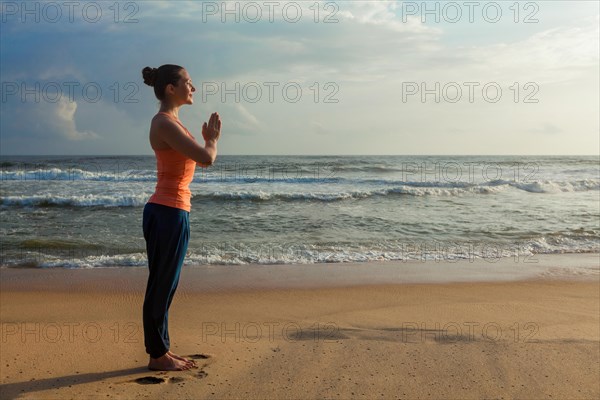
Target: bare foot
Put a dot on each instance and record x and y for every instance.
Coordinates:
(187, 360)
(167, 363)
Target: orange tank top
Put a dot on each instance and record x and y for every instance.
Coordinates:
(174, 173)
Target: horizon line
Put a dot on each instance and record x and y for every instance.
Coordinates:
(307, 155)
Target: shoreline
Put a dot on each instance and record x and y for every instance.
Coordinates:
(200, 278)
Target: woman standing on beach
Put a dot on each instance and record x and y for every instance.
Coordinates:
(166, 214)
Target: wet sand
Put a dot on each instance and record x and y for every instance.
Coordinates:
(341, 331)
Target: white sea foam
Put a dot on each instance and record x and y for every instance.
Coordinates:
(87, 200)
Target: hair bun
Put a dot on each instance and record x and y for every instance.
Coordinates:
(149, 75)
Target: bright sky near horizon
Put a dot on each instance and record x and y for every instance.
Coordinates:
(306, 77)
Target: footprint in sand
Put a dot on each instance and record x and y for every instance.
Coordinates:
(149, 380)
(199, 356)
(155, 380)
(201, 374)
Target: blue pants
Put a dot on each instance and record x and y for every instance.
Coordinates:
(167, 231)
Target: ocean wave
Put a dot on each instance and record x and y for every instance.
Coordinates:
(220, 175)
(216, 253)
(547, 186)
(88, 200)
(302, 178)
(262, 196)
(368, 189)
(410, 189)
(75, 174)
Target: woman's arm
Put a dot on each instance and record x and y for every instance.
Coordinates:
(172, 134)
(211, 148)
(211, 133)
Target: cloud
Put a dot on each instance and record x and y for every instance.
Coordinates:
(237, 120)
(247, 117)
(319, 128)
(43, 120)
(558, 54)
(368, 53)
(547, 129)
(65, 121)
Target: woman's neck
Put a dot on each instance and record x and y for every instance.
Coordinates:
(170, 109)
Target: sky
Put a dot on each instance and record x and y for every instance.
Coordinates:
(306, 77)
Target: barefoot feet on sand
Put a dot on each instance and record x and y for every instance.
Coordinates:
(187, 360)
(167, 362)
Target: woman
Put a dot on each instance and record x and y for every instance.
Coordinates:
(166, 214)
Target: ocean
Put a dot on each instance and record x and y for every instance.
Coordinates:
(86, 211)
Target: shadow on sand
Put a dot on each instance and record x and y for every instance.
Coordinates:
(14, 390)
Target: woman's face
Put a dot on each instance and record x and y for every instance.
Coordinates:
(182, 93)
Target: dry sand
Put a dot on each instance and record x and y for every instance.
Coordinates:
(77, 334)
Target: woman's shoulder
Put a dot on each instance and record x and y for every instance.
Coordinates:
(163, 123)
(162, 118)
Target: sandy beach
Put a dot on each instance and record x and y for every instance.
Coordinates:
(308, 332)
